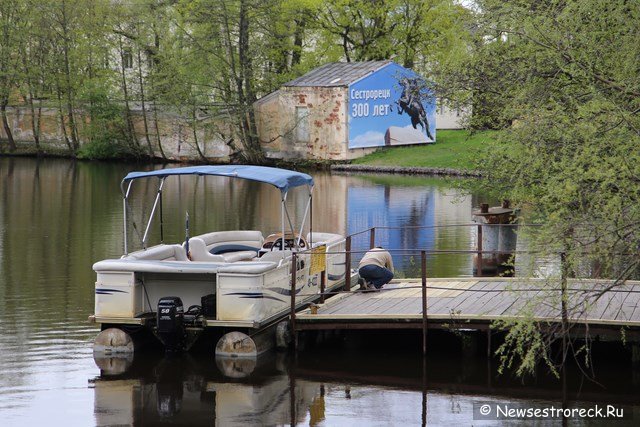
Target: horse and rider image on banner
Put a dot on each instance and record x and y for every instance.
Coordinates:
(392, 106)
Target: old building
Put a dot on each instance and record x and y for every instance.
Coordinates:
(344, 110)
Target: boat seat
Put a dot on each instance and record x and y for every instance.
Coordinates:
(199, 252)
(160, 253)
(227, 242)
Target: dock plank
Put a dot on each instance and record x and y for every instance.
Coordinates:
(616, 302)
(494, 307)
(476, 305)
(628, 304)
(485, 299)
(445, 305)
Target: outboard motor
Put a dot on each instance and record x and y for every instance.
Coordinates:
(170, 323)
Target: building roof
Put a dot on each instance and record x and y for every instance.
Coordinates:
(337, 74)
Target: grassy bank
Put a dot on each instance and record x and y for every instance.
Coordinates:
(455, 149)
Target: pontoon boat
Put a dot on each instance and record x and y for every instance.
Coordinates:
(231, 281)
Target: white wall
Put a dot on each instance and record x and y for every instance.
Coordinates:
(451, 118)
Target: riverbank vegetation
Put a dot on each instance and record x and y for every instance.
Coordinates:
(197, 59)
(456, 149)
(560, 80)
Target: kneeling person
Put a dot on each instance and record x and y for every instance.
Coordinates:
(376, 267)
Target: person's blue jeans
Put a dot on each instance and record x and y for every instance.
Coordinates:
(377, 276)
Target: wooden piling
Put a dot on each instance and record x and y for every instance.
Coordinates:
(372, 238)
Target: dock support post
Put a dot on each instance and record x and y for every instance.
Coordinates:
(372, 238)
(294, 334)
(564, 268)
(323, 285)
(347, 264)
(423, 255)
(489, 343)
(635, 355)
(479, 248)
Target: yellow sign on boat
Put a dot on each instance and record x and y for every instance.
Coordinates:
(318, 259)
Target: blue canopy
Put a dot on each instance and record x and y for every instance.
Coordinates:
(281, 178)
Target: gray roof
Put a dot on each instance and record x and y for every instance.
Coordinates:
(337, 74)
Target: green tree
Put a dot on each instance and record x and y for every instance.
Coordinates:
(11, 25)
(35, 60)
(235, 40)
(416, 33)
(566, 77)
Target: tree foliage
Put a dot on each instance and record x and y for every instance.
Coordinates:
(200, 58)
(570, 87)
(561, 78)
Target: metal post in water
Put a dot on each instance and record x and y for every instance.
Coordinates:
(372, 238)
(423, 255)
(347, 264)
(497, 239)
(294, 261)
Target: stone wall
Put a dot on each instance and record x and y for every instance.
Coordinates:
(174, 132)
(305, 122)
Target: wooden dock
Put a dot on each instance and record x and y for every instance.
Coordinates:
(474, 303)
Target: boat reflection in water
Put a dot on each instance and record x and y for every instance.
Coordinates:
(184, 389)
(342, 385)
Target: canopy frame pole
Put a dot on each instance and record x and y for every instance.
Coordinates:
(124, 209)
(291, 227)
(304, 219)
(153, 211)
(161, 221)
(311, 217)
(282, 210)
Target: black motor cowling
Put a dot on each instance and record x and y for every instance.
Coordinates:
(170, 323)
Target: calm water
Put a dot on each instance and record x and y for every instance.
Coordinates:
(58, 217)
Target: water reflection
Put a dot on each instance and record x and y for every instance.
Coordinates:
(58, 217)
(336, 387)
(199, 391)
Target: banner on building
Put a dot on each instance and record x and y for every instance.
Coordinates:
(392, 106)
